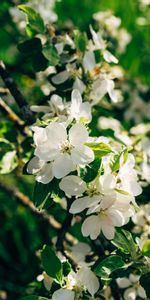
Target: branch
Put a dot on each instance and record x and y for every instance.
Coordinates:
(28, 115)
(12, 116)
(27, 203)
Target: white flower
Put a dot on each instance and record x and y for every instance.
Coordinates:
(41, 169)
(128, 177)
(106, 220)
(101, 87)
(63, 294)
(79, 252)
(66, 151)
(134, 288)
(80, 111)
(101, 44)
(85, 277)
(110, 208)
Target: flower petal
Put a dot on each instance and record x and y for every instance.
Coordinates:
(63, 294)
(108, 231)
(91, 227)
(88, 279)
(62, 166)
(78, 135)
(73, 185)
(130, 294)
(34, 165)
(82, 155)
(80, 204)
(45, 175)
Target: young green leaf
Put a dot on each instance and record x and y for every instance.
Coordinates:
(124, 241)
(146, 248)
(100, 149)
(80, 40)
(51, 263)
(108, 265)
(34, 19)
(50, 52)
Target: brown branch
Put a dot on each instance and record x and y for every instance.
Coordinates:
(6, 110)
(27, 114)
(27, 203)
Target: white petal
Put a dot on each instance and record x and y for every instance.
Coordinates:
(108, 182)
(91, 227)
(63, 294)
(141, 292)
(79, 85)
(134, 188)
(78, 135)
(130, 294)
(89, 61)
(34, 165)
(40, 108)
(62, 166)
(108, 231)
(39, 135)
(76, 99)
(85, 112)
(81, 250)
(82, 156)
(72, 185)
(99, 90)
(88, 279)
(56, 134)
(123, 282)
(80, 204)
(116, 218)
(45, 175)
(109, 57)
(60, 77)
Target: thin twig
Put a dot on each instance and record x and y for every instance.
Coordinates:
(27, 114)
(27, 203)
(6, 110)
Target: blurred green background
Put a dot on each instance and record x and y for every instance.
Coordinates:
(21, 232)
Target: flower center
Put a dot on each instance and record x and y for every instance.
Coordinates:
(66, 148)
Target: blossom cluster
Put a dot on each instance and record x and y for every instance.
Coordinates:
(99, 164)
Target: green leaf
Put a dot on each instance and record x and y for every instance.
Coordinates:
(40, 194)
(34, 19)
(33, 298)
(146, 248)
(66, 268)
(124, 241)
(108, 265)
(145, 283)
(115, 165)
(51, 263)
(100, 149)
(30, 46)
(91, 171)
(50, 52)
(80, 39)
(39, 62)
